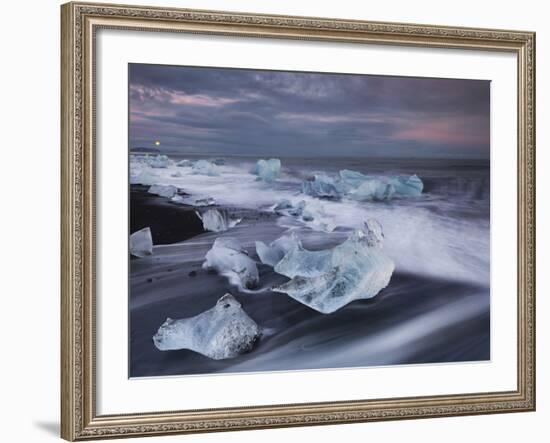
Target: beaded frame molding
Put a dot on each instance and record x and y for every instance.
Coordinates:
(80, 21)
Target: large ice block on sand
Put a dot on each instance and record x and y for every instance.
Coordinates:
(267, 170)
(224, 331)
(273, 253)
(322, 186)
(330, 279)
(230, 259)
(167, 191)
(204, 167)
(217, 221)
(141, 243)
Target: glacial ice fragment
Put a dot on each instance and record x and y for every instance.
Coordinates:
(217, 221)
(361, 187)
(167, 191)
(184, 163)
(204, 167)
(143, 177)
(285, 207)
(267, 170)
(175, 174)
(224, 331)
(407, 186)
(141, 243)
(208, 201)
(160, 161)
(272, 254)
(218, 161)
(322, 186)
(228, 258)
(330, 279)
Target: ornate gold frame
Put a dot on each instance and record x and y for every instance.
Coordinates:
(80, 21)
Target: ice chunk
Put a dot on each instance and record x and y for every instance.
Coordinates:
(204, 167)
(208, 201)
(224, 331)
(141, 243)
(176, 174)
(184, 163)
(272, 254)
(228, 258)
(361, 187)
(218, 161)
(330, 279)
(316, 218)
(143, 177)
(160, 161)
(217, 221)
(268, 170)
(407, 186)
(322, 186)
(167, 191)
(285, 207)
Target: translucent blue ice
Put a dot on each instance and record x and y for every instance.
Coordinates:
(224, 331)
(267, 170)
(217, 221)
(329, 279)
(141, 243)
(273, 253)
(204, 167)
(228, 258)
(167, 191)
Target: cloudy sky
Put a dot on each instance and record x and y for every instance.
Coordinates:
(273, 113)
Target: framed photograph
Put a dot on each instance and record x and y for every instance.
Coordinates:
(282, 221)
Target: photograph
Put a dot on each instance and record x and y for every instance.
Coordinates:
(284, 220)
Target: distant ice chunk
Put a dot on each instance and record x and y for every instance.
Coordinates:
(208, 201)
(218, 161)
(184, 163)
(330, 279)
(322, 186)
(217, 221)
(272, 254)
(407, 186)
(167, 191)
(285, 207)
(143, 177)
(358, 186)
(267, 170)
(222, 332)
(176, 174)
(141, 243)
(159, 161)
(204, 167)
(231, 260)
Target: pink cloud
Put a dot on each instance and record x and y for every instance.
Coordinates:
(144, 94)
(451, 131)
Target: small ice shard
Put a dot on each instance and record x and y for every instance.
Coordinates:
(179, 199)
(322, 186)
(159, 161)
(204, 167)
(184, 163)
(218, 161)
(141, 243)
(267, 170)
(272, 254)
(176, 174)
(208, 201)
(224, 331)
(228, 258)
(330, 279)
(217, 221)
(285, 207)
(167, 191)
